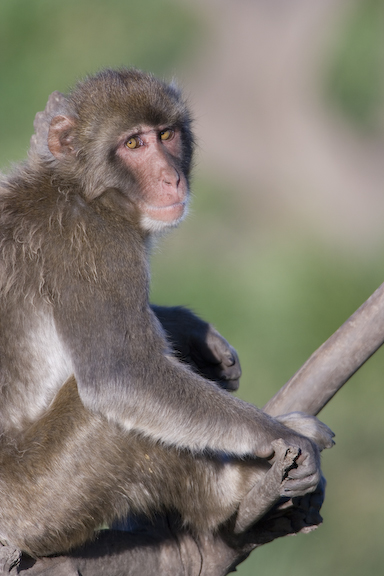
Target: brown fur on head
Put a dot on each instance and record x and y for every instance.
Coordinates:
(127, 94)
(91, 117)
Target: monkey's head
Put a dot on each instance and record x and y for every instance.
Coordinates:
(122, 132)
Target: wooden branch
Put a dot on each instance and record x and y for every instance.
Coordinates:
(329, 368)
(163, 548)
(265, 493)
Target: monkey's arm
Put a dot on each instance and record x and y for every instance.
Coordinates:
(198, 344)
(126, 371)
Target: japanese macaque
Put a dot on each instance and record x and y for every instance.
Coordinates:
(100, 416)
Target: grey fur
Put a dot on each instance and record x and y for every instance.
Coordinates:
(141, 431)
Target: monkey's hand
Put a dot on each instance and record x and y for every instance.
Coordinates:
(319, 436)
(309, 426)
(310, 430)
(307, 436)
(304, 474)
(198, 344)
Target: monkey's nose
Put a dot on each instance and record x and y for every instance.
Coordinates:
(172, 179)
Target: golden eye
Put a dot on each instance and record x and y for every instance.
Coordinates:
(167, 134)
(132, 143)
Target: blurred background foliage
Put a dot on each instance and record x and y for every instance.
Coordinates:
(356, 79)
(46, 46)
(271, 283)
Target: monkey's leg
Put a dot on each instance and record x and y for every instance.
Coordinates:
(72, 471)
(48, 478)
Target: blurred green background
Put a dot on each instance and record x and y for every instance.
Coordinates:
(276, 253)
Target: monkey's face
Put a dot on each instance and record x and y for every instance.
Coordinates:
(153, 155)
(143, 165)
(129, 133)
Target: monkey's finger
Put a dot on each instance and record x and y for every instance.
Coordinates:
(299, 487)
(303, 472)
(227, 369)
(220, 348)
(227, 377)
(217, 360)
(310, 427)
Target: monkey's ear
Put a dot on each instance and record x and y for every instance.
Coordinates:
(60, 136)
(57, 104)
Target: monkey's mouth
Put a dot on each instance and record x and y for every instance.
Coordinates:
(168, 213)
